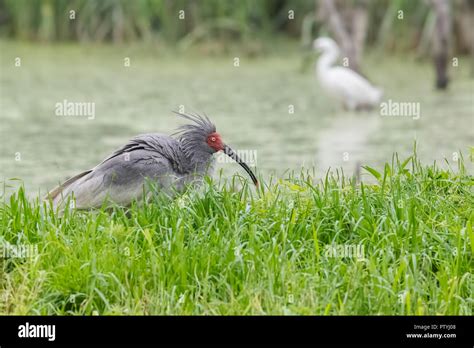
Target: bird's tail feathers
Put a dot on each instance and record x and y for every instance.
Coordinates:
(56, 192)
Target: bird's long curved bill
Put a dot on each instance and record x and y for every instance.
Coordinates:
(229, 152)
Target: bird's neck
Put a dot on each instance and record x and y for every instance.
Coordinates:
(201, 162)
(327, 59)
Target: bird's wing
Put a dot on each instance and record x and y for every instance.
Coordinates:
(161, 143)
(351, 83)
(121, 175)
(53, 194)
(350, 78)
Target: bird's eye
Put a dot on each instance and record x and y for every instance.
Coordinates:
(213, 139)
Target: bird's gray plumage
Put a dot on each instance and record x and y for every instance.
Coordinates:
(168, 162)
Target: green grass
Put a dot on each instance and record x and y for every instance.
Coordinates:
(228, 249)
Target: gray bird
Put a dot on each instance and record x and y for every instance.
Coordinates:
(169, 163)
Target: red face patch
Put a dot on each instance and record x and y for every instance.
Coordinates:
(214, 141)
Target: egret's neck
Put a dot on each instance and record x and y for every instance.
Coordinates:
(327, 59)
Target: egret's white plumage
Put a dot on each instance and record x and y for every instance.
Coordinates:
(345, 84)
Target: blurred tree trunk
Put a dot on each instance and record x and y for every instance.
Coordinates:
(441, 40)
(360, 20)
(463, 21)
(46, 26)
(350, 36)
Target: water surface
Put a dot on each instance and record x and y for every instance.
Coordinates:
(251, 105)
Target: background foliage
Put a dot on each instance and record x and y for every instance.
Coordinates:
(150, 20)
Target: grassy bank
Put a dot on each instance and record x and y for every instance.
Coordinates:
(297, 246)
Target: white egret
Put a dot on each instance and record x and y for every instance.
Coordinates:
(342, 83)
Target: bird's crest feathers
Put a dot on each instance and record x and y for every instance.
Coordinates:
(201, 124)
(194, 135)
